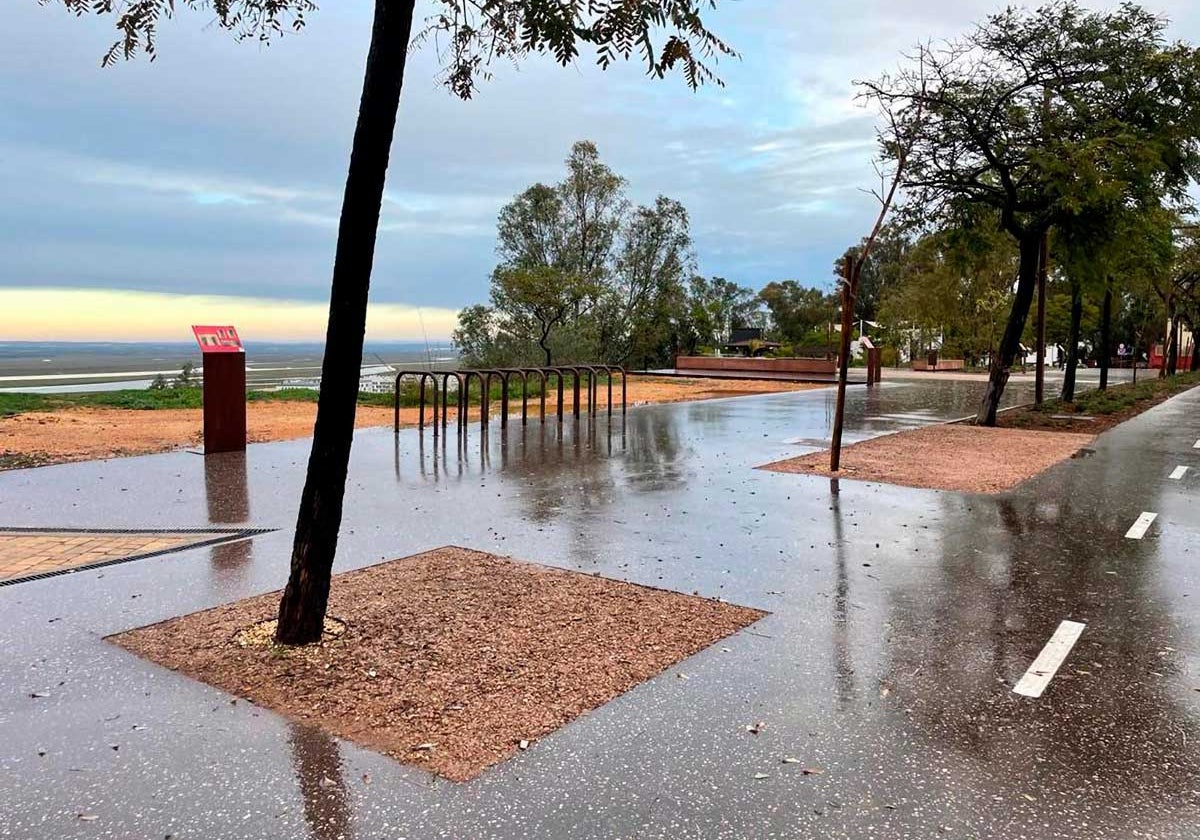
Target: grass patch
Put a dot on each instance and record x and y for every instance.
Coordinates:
(1107, 408)
(139, 400)
(1118, 398)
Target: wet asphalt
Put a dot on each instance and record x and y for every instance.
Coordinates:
(900, 620)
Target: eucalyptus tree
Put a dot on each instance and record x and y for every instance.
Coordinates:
(665, 34)
(1040, 114)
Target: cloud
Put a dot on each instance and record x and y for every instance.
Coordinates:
(220, 167)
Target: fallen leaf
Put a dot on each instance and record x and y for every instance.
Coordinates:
(755, 728)
(88, 817)
(762, 775)
(791, 761)
(523, 745)
(813, 771)
(38, 694)
(326, 782)
(425, 747)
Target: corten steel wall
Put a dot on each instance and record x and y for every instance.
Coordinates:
(224, 402)
(733, 363)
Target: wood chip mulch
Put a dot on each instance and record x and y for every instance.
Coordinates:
(452, 659)
(969, 459)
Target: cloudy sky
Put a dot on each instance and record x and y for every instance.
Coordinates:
(216, 171)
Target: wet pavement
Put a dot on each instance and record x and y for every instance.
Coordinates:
(900, 621)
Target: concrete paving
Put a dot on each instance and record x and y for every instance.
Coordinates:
(901, 620)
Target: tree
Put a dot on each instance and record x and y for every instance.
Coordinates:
(186, 377)
(635, 258)
(715, 307)
(666, 34)
(571, 226)
(1040, 114)
(880, 272)
(951, 289)
(1178, 289)
(797, 310)
(538, 300)
(655, 256)
(475, 336)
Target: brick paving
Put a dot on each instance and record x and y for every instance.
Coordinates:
(25, 553)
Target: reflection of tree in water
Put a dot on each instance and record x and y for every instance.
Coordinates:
(318, 763)
(844, 676)
(1010, 569)
(571, 468)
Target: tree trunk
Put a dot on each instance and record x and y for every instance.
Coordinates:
(849, 290)
(1168, 345)
(1072, 356)
(1030, 246)
(1173, 351)
(1039, 371)
(1105, 336)
(302, 609)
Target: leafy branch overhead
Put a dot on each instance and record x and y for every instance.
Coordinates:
(471, 34)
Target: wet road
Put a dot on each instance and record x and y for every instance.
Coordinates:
(900, 621)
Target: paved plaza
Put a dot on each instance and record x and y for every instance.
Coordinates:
(900, 622)
(32, 553)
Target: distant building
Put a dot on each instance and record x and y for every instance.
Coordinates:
(748, 341)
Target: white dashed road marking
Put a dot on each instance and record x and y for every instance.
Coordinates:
(1196, 445)
(1049, 660)
(1138, 529)
(1178, 473)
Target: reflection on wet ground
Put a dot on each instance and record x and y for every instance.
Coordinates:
(900, 619)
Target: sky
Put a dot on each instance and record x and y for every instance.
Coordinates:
(134, 199)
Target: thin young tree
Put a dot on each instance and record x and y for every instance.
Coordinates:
(666, 34)
(903, 122)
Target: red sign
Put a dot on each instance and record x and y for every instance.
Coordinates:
(217, 339)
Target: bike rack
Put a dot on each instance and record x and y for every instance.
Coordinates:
(541, 374)
(422, 376)
(485, 377)
(461, 379)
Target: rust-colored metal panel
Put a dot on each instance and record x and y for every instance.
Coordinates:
(224, 402)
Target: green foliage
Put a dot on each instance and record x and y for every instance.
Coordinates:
(1045, 114)
(159, 382)
(797, 311)
(665, 34)
(714, 307)
(1118, 398)
(143, 400)
(954, 287)
(186, 377)
(881, 270)
(584, 275)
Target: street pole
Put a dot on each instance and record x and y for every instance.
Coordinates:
(1039, 376)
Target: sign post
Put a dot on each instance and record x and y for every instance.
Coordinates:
(224, 389)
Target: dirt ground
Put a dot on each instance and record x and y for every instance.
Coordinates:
(969, 459)
(81, 434)
(451, 660)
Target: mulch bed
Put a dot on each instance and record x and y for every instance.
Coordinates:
(452, 659)
(969, 459)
